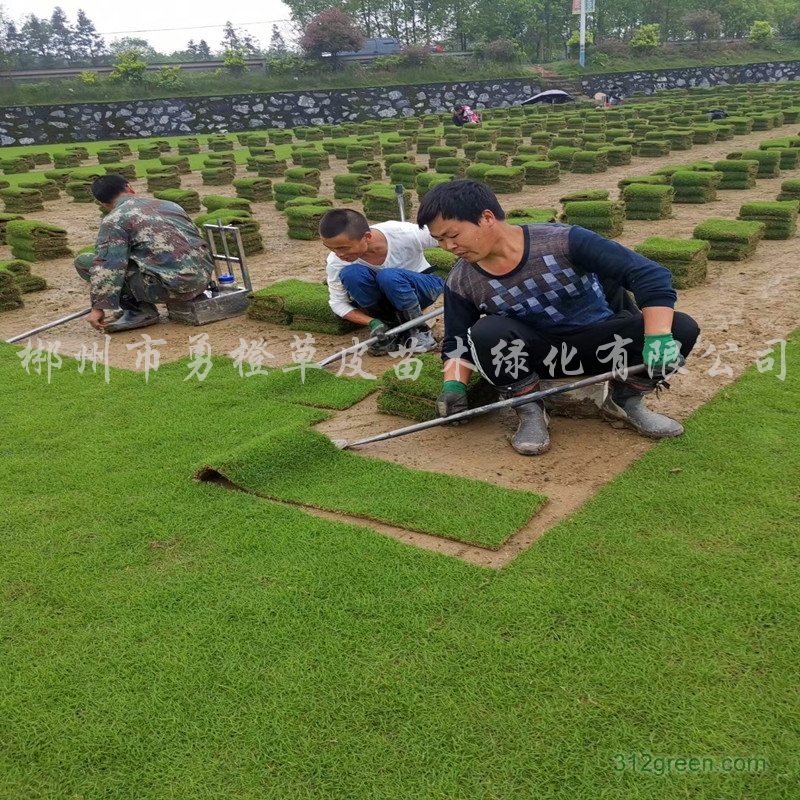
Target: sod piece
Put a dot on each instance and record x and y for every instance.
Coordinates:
(128, 171)
(212, 202)
(602, 216)
(48, 188)
(10, 295)
(768, 161)
(542, 173)
(686, 259)
(187, 199)
(23, 279)
(441, 261)
(285, 191)
(268, 167)
(248, 228)
(527, 216)
(256, 190)
(350, 186)
(646, 201)
(4, 220)
(22, 201)
(505, 180)
(300, 305)
(303, 175)
(380, 203)
(416, 399)
(425, 181)
(179, 161)
(695, 187)
(779, 217)
(218, 176)
(730, 240)
(296, 464)
(304, 221)
(790, 190)
(371, 168)
(31, 240)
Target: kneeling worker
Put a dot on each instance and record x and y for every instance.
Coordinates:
(378, 276)
(526, 301)
(147, 252)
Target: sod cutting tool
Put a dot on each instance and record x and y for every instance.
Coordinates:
(511, 402)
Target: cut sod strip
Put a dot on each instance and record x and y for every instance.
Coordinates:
(299, 465)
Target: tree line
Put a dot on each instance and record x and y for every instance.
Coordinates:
(541, 28)
(538, 30)
(40, 42)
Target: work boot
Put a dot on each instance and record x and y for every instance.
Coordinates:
(388, 345)
(142, 316)
(420, 337)
(625, 403)
(532, 437)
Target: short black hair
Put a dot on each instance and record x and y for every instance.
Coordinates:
(107, 188)
(461, 200)
(343, 221)
(458, 107)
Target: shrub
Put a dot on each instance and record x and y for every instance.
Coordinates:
(414, 56)
(761, 33)
(504, 51)
(169, 78)
(646, 39)
(129, 68)
(234, 61)
(88, 78)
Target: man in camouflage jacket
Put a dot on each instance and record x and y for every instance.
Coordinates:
(147, 252)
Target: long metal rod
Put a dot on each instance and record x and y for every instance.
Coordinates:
(42, 328)
(400, 191)
(399, 329)
(511, 402)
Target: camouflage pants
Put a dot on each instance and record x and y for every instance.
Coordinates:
(138, 286)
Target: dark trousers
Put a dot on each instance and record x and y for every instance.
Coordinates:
(513, 355)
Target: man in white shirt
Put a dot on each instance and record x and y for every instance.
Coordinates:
(378, 276)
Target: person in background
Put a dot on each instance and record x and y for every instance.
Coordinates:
(462, 114)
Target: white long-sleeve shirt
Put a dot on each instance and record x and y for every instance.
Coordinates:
(405, 242)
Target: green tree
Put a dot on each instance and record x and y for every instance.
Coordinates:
(129, 44)
(235, 39)
(36, 39)
(234, 61)
(88, 45)
(646, 39)
(61, 33)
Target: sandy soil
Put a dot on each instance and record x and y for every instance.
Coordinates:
(744, 304)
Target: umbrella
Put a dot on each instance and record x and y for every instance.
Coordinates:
(550, 96)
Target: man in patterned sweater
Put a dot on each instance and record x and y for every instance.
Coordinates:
(147, 252)
(527, 301)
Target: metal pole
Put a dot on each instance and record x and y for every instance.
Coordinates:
(399, 329)
(399, 191)
(42, 328)
(511, 402)
(582, 56)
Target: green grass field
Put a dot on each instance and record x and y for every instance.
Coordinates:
(163, 638)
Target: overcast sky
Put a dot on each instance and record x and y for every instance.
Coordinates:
(153, 19)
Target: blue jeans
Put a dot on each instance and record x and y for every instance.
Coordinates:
(402, 288)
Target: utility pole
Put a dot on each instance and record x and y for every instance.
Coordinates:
(582, 55)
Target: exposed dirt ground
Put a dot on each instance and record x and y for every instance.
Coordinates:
(745, 304)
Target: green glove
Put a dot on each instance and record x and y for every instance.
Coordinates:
(452, 400)
(378, 328)
(662, 353)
